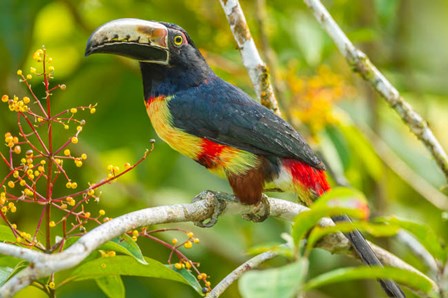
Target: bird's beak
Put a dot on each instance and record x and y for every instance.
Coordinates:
(144, 41)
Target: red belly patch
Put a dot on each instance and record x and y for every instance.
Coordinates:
(307, 176)
(209, 156)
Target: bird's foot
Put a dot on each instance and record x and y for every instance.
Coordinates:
(260, 212)
(218, 203)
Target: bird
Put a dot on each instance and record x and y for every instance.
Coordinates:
(216, 123)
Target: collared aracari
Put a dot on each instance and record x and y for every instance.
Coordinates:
(217, 124)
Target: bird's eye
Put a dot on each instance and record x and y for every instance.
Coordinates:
(178, 40)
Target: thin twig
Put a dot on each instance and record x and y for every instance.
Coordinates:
(43, 265)
(257, 69)
(361, 64)
(235, 274)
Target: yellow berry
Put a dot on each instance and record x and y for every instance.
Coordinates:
(15, 174)
(187, 265)
(178, 266)
(17, 149)
(26, 100)
(188, 244)
(22, 182)
(92, 110)
(29, 77)
(87, 214)
(66, 126)
(91, 192)
(52, 224)
(13, 209)
(190, 234)
(68, 185)
(74, 185)
(63, 206)
(78, 163)
(73, 110)
(38, 55)
(84, 156)
(51, 68)
(74, 140)
(32, 70)
(11, 184)
(5, 98)
(42, 162)
(196, 240)
(14, 226)
(67, 152)
(174, 241)
(4, 209)
(52, 285)
(102, 212)
(112, 253)
(28, 192)
(19, 72)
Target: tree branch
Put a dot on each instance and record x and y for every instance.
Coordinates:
(42, 265)
(257, 69)
(236, 274)
(361, 64)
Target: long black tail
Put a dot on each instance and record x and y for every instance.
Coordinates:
(367, 255)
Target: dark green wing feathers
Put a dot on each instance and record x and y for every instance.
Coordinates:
(225, 114)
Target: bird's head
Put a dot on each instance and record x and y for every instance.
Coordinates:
(168, 58)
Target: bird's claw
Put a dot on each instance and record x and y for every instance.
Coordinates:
(219, 204)
(260, 212)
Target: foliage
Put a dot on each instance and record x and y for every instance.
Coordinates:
(37, 163)
(402, 38)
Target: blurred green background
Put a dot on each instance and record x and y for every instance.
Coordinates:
(359, 135)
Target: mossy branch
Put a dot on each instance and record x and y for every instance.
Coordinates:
(43, 265)
(257, 69)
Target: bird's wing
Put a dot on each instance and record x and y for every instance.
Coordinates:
(225, 114)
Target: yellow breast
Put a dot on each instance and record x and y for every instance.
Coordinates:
(180, 141)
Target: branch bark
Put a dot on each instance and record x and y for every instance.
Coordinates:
(43, 265)
(236, 274)
(257, 69)
(361, 64)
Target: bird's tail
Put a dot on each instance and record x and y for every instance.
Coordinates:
(368, 256)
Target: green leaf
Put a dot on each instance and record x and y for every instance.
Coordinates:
(279, 248)
(345, 227)
(112, 286)
(10, 266)
(334, 202)
(123, 265)
(422, 233)
(189, 277)
(6, 234)
(405, 277)
(5, 274)
(284, 281)
(361, 147)
(122, 244)
(126, 246)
